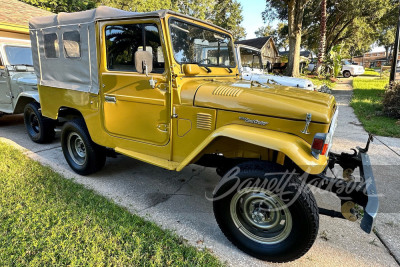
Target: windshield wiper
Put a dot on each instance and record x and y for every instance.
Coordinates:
(207, 68)
(229, 69)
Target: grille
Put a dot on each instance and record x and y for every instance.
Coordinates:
(204, 121)
(227, 91)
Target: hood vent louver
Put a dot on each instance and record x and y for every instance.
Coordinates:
(204, 121)
(227, 91)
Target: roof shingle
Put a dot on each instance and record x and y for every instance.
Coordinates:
(19, 13)
(256, 42)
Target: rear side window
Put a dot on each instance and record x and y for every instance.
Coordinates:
(122, 42)
(51, 48)
(72, 44)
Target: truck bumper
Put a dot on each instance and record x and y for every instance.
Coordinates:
(372, 205)
(362, 192)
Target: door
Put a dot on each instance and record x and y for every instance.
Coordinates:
(132, 108)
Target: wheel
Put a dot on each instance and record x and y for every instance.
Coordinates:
(40, 129)
(271, 217)
(346, 74)
(82, 154)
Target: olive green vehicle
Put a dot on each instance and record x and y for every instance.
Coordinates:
(165, 88)
(18, 82)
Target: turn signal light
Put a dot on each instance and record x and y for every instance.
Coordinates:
(318, 146)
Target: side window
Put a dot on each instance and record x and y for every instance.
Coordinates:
(122, 42)
(72, 44)
(51, 48)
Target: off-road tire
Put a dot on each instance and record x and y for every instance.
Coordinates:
(346, 74)
(95, 155)
(40, 129)
(303, 211)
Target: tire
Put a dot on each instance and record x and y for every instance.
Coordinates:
(346, 74)
(40, 129)
(246, 217)
(81, 153)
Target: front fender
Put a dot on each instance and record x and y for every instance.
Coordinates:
(298, 150)
(23, 99)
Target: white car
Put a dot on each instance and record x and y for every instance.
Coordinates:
(251, 68)
(351, 70)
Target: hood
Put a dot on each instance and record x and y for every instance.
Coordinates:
(25, 78)
(274, 100)
(284, 80)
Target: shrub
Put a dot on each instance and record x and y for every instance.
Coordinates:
(391, 100)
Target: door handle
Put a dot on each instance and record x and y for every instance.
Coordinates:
(110, 99)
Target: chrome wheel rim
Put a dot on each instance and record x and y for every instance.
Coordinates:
(76, 148)
(261, 215)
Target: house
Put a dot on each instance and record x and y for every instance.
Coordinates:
(14, 18)
(269, 52)
(370, 59)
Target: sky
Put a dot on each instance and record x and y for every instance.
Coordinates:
(252, 18)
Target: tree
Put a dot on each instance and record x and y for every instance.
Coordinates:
(57, 6)
(293, 12)
(280, 34)
(353, 22)
(322, 37)
(228, 15)
(265, 31)
(224, 13)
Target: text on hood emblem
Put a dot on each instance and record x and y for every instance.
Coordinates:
(263, 123)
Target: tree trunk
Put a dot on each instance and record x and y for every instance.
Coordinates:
(295, 21)
(322, 37)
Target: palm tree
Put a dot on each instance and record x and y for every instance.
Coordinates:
(322, 37)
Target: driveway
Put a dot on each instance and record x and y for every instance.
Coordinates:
(177, 201)
(385, 159)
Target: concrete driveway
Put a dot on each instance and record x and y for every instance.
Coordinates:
(177, 201)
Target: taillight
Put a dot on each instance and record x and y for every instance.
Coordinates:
(319, 145)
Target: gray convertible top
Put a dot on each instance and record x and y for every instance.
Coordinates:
(64, 46)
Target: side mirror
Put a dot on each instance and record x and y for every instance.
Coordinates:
(191, 69)
(144, 62)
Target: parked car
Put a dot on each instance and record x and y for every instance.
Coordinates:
(251, 68)
(18, 88)
(164, 88)
(349, 69)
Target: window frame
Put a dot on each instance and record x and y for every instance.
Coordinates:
(206, 28)
(44, 45)
(80, 46)
(156, 22)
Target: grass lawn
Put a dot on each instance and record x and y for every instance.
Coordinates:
(46, 220)
(371, 72)
(366, 102)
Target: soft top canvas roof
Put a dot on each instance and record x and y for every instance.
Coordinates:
(81, 74)
(100, 13)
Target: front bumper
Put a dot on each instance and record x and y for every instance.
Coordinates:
(362, 192)
(372, 205)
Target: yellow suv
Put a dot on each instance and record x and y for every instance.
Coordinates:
(164, 88)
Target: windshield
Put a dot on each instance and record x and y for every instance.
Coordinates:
(250, 58)
(19, 55)
(193, 44)
(346, 62)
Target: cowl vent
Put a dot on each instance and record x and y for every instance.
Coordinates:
(227, 91)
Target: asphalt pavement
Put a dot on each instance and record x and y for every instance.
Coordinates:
(177, 201)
